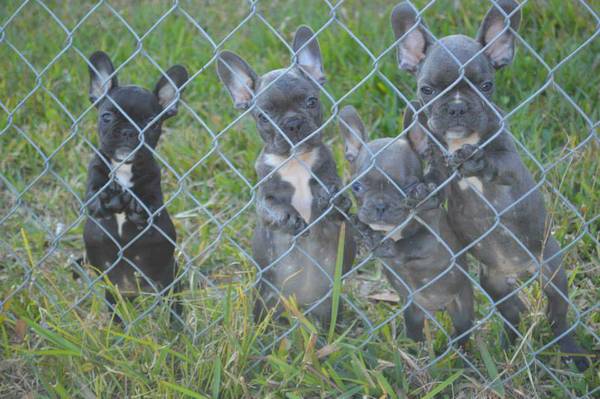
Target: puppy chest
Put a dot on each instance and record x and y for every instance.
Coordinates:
(297, 173)
(123, 174)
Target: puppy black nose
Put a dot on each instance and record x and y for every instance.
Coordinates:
(293, 125)
(457, 108)
(380, 209)
(129, 133)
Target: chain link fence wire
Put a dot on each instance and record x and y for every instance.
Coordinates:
(207, 152)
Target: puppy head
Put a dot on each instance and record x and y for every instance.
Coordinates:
(125, 111)
(287, 107)
(380, 183)
(459, 104)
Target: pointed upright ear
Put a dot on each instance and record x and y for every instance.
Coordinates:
(168, 90)
(309, 55)
(417, 136)
(353, 132)
(237, 76)
(415, 40)
(494, 33)
(101, 69)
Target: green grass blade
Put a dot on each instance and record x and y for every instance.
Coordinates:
(54, 338)
(490, 367)
(183, 390)
(440, 387)
(216, 382)
(337, 282)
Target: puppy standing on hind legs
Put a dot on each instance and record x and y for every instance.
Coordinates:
(123, 188)
(459, 112)
(423, 266)
(298, 180)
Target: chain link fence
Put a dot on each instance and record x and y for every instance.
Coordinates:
(207, 153)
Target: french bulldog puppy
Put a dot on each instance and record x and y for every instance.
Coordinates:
(124, 197)
(491, 178)
(389, 191)
(298, 180)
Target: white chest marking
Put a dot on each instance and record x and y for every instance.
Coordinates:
(297, 172)
(454, 145)
(120, 218)
(397, 235)
(124, 176)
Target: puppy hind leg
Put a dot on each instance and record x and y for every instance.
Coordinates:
(176, 306)
(414, 319)
(112, 307)
(462, 313)
(555, 287)
(508, 303)
(266, 300)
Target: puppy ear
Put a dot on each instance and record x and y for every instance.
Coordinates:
(417, 136)
(415, 40)
(237, 76)
(353, 132)
(309, 55)
(495, 32)
(101, 69)
(167, 89)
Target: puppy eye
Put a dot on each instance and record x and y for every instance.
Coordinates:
(486, 86)
(263, 118)
(312, 102)
(356, 187)
(427, 90)
(106, 117)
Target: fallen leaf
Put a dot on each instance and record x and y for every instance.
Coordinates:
(326, 351)
(388, 296)
(19, 332)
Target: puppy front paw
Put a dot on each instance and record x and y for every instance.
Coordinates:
(292, 223)
(420, 192)
(342, 202)
(96, 208)
(469, 160)
(137, 214)
(113, 199)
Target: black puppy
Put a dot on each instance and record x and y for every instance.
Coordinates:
(128, 234)
(491, 184)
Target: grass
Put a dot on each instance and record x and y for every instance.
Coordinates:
(50, 348)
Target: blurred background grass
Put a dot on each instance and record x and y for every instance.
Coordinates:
(50, 348)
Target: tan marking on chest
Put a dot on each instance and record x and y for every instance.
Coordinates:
(397, 235)
(297, 172)
(455, 144)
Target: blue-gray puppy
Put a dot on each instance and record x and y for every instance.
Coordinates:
(390, 191)
(299, 180)
(491, 177)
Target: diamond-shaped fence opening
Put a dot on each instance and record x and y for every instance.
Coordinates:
(234, 279)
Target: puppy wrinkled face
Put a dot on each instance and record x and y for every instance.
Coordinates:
(131, 115)
(119, 137)
(288, 112)
(463, 109)
(380, 202)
